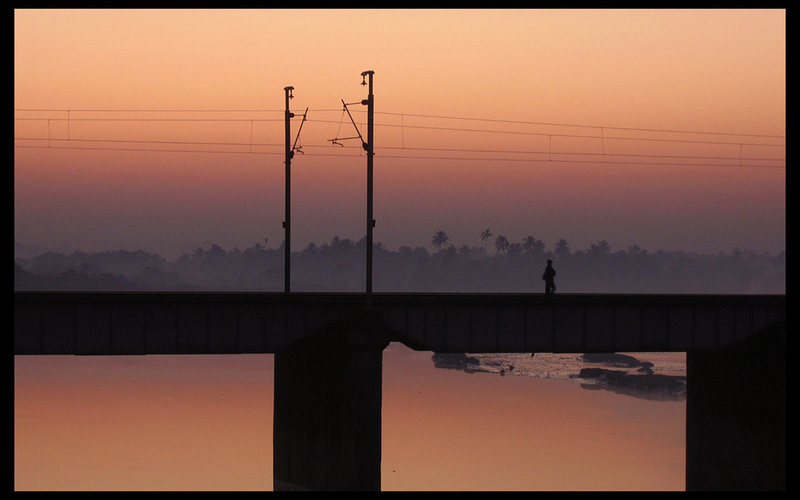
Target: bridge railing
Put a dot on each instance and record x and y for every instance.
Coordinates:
(111, 323)
(580, 322)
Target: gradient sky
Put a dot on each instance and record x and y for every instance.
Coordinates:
(629, 74)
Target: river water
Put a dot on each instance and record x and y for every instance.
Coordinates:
(205, 423)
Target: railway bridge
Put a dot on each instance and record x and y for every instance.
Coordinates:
(328, 360)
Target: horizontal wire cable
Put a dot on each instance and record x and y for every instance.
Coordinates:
(133, 141)
(574, 136)
(448, 150)
(422, 127)
(53, 110)
(523, 122)
(609, 157)
(608, 161)
(152, 119)
(494, 120)
(148, 150)
(527, 151)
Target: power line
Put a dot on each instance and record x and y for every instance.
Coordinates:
(552, 156)
(152, 119)
(553, 124)
(58, 110)
(149, 150)
(596, 162)
(608, 158)
(452, 129)
(321, 110)
(607, 155)
(131, 141)
(447, 150)
(574, 136)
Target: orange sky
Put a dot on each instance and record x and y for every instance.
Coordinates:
(720, 71)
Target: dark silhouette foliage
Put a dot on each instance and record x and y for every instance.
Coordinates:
(340, 266)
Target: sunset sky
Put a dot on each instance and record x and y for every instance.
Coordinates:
(163, 129)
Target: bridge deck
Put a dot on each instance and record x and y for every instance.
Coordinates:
(127, 323)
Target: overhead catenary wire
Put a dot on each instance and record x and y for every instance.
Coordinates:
(502, 155)
(68, 117)
(602, 137)
(390, 113)
(68, 120)
(574, 136)
(549, 152)
(607, 161)
(554, 124)
(151, 150)
(548, 135)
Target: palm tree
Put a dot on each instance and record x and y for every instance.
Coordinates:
(602, 248)
(562, 248)
(501, 244)
(636, 250)
(440, 239)
(533, 246)
(485, 239)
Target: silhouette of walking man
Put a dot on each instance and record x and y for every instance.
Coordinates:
(549, 278)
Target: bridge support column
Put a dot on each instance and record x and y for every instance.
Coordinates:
(736, 415)
(327, 411)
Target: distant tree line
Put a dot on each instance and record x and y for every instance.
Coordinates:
(339, 266)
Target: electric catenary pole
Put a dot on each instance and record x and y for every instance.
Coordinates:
(289, 154)
(370, 147)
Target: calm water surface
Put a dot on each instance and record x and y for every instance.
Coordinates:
(205, 423)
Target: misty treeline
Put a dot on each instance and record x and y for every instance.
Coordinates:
(339, 265)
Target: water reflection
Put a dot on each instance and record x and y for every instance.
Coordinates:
(663, 379)
(205, 423)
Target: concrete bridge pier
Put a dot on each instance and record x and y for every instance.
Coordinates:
(327, 411)
(736, 415)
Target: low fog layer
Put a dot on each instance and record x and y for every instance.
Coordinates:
(340, 266)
